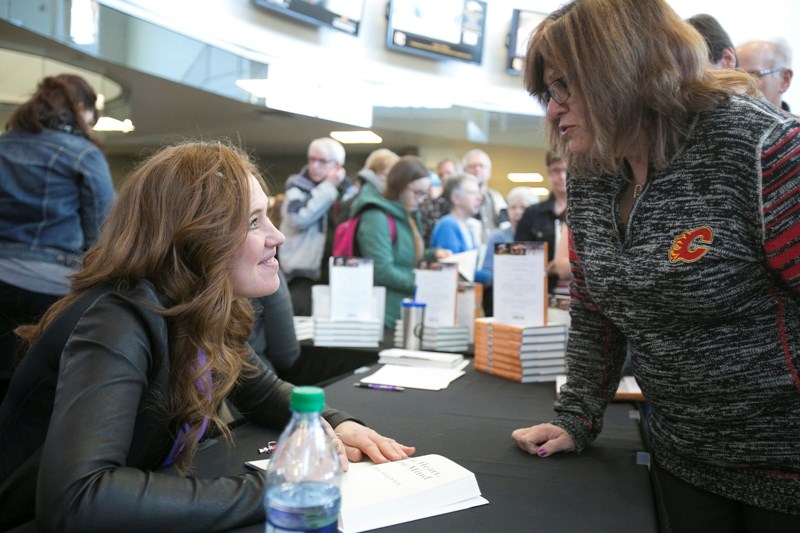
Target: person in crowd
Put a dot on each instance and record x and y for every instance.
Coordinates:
(55, 191)
(308, 213)
(436, 190)
(447, 167)
(458, 231)
(543, 221)
(771, 63)
(395, 258)
(376, 167)
(435, 205)
(682, 208)
(126, 374)
(493, 209)
(721, 52)
(518, 200)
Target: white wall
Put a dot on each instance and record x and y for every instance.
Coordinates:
(242, 27)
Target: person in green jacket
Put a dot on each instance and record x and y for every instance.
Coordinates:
(407, 187)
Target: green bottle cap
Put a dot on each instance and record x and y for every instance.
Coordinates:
(308, 399)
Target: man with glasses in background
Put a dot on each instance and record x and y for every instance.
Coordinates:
(306, 219)
(770, 62)
(494, 210)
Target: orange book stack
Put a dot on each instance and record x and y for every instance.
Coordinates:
(523, 354)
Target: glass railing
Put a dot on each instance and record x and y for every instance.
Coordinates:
(126, 40)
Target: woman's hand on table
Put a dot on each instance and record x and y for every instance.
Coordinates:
(543, 440)
(359, 441)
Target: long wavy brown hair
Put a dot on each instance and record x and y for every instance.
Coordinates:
(642, 71)
(179, 218)
(57, 103)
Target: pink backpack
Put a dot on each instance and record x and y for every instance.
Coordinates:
(344, 239)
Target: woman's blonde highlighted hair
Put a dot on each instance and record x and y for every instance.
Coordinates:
(642, 72)
(179, 218)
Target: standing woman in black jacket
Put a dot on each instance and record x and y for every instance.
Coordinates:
(127, 372)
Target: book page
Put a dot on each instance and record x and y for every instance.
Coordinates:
(380, 495)
(436, 286)
(520, 283)
(350, 288)
(466, 262)
(412, 378)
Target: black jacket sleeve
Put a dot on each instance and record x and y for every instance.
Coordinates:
(93, 474)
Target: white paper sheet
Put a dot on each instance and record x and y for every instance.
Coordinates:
(414, 377)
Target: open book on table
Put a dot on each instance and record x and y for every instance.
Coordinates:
(381, 495)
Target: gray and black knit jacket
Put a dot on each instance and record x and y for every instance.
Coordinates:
(704, 282)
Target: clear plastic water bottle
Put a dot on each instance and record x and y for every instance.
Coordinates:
(304, 474)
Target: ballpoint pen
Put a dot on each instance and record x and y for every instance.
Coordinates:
(377, 386)
(269, 448)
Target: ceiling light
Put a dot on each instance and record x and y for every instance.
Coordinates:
(112, 124)
(356, 137)
(540, 191)
(525, 177)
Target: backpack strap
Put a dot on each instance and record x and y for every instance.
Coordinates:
(392, 226)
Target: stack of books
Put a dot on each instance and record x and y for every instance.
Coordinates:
(438, 338)
(355, 333)
(445, 338)
(525, 354)
(400, 356)
(304, 327)
(398, 334)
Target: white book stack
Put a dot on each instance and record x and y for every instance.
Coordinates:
(445, 338)
(355, 333)
(438, 338)
(304, 327)
(398, 334)
(361, 332)
(400, 356)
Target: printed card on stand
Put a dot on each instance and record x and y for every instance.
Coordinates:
(351, 288)
(466, 262)
(436, 285)
(520, 283)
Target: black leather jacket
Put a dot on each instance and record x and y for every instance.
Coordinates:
(81, 437)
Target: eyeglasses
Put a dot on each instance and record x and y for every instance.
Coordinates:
(420, 196)
(323, 162)
(557, 91)
(765, 71)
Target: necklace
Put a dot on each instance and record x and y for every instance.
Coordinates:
(637, 190)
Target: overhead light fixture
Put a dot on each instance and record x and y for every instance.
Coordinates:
(356, 137)
(540, 191)
(525, 177)
(112, 124)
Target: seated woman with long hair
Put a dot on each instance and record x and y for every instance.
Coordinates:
(127, 372)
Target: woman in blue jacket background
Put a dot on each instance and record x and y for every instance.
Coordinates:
(55, 191)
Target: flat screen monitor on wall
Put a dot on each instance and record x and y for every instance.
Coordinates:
(343, 15)
(523, 22)
(451, 29)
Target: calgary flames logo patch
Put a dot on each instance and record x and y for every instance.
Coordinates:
(688, 246)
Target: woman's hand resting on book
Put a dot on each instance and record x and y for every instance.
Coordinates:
(543, 440)
(358, 441)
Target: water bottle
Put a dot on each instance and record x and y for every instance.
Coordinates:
(304, 474)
